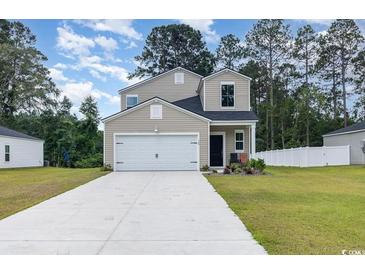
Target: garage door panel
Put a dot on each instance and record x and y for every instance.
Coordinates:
(157, 152)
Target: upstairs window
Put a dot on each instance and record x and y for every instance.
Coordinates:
(7, 153)
(227, 94)
(239, 140)
(131, 101)
(179, 78)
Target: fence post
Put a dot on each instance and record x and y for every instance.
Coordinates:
(324, 156)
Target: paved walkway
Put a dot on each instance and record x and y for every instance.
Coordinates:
(130, 213)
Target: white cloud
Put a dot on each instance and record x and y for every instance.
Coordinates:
(119, 26)
(77, 91)
(131, 45)
(324, 22)
(96, 68)
(108, 44)
(97, 75)
(57, 75)
(73, 43)
(60, 66)
(204, 26)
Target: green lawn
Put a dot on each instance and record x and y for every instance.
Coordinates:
(23, 187)
(300, 211)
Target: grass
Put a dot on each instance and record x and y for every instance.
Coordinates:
(300, 211)
(21, 188)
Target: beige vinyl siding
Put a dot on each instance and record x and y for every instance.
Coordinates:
(354, 139)
(201, 94)
(213, 92)
(139, 121)
(230, 138)
(165, 88)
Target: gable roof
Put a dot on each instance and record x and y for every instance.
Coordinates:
(4, 131)
(157, 76)
(353, 128)
(157, 99)
(226, 70)
(194, 105)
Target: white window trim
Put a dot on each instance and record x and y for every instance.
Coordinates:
(152, 112)
(234, 94)
(126, 99)
(183, 78)
(243, 140)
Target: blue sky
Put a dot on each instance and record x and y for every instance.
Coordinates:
(94, 56)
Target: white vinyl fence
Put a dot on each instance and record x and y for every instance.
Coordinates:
(307, 156)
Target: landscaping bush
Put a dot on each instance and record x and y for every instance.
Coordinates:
(204, 168)
(227, 170)
(95, 160)
(237, 170)
(260, 165)
(214, 171)
(234, 166)
(255, 166)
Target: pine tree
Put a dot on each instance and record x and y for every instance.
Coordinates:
(268, 44)
(25, 83)
(170, 46)
(304, 53)
(346, 38)
(229, 52)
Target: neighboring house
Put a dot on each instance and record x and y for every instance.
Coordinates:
(354, 136)
(19, 150)
(180, 120)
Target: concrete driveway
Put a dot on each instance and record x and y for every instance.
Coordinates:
(130, 213)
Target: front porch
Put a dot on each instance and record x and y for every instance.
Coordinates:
(231, 142)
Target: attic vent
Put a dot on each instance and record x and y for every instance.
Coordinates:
(179, 78)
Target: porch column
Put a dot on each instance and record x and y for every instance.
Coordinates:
(253, 140)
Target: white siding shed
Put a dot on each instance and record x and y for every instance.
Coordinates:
(19, 150)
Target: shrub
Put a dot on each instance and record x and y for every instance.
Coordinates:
(204, 168)
(254, 166)
(227, 170)
(238, 170)
(214, 171)
(260, 165)
(234, 166)
(95, 160)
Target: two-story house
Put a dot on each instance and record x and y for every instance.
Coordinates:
(180, 120)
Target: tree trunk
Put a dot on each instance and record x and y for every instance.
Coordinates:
(344, 95)
(267, 129)
(271, 103)
(282, 134)
(307, 129)
(334, 95)
(307, 91)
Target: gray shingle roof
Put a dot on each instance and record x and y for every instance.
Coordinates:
(4, 131)
(354, 127)
(194, 105)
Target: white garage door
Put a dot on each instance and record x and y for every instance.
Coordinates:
(156, 152)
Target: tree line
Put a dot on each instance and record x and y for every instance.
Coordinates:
(30, 102)
(300, 83)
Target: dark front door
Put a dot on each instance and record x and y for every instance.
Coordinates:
(216, 150)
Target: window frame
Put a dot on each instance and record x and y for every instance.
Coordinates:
(183, 78)
(130, 96)
(235, 140)
(152, 112)
(234, 95)
(7, 153)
